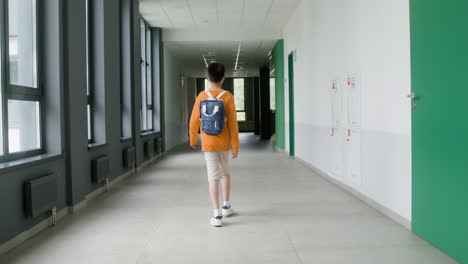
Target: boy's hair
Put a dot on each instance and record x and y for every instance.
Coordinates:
(216, 72)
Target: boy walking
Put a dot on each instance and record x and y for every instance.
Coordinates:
(215, 113)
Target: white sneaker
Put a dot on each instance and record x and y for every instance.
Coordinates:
(227, 211)
(216, 221)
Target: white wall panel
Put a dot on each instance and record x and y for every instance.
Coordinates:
(335, 39)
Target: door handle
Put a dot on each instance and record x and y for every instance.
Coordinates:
(412, 96)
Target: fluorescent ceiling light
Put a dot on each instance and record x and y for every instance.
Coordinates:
(204, 59)
(238, 52)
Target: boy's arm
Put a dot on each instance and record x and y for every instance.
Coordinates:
(233, 125)
(195, 123)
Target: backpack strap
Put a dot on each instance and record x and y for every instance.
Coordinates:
(217, 97)
(220, 94)
(209, 94)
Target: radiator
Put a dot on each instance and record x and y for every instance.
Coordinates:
(40, 195)
(149, 148)
(129, 157)
(100, 169)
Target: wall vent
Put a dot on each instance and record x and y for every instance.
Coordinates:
(129, 157)
(40, 195)
(100, 169)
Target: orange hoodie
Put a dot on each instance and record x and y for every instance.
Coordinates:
(228, 138)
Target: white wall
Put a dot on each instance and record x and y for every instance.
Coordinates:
(333, 38)
(175, 102)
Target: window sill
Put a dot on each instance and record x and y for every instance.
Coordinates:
(95, 146)
(150, 133)
(126, 140)
(28, 162)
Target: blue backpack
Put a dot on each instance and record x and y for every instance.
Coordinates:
(212, 114)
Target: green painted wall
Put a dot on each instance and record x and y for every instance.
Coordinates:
(278, 60)
(439, 56)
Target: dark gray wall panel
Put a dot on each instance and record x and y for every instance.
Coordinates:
(64, 72)
(77, 153)
(14, 219)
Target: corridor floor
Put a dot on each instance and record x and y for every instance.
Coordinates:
(287, 215)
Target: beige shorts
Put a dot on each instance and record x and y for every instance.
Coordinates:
(217, 164)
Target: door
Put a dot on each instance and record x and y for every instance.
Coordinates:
(439, 62)
(291, 104)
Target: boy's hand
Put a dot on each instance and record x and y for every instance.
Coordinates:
(234, 155)
(193, 146)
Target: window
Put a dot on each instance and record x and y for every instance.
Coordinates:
(239, 91)
(1, 110)
(146, 110)
(20, 95)
(89, 70)
(126, 68)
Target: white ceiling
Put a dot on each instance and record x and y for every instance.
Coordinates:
(214, 28)
(196, 13)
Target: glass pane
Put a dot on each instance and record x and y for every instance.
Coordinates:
(88, 46)
(23, 126)
(272, 94)
(149, 94)
(144, 123)
(141, 121)
(143, 88)
(239, 94)
(1, 107)
(143, 39)
(240, 116)
(22, 42)
(149, 68)
(143, 76)
(90, 135)
(148, 44)
(150, 119)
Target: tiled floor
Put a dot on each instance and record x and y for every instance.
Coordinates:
(286, 215)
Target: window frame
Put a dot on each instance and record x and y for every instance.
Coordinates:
(122, 70)
(89, 73)
(19, 92)
(127, 75)
(149, 78)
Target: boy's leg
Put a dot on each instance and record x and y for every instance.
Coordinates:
(214, 193)
(214, 175)
(226, 180)
(226, 183)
